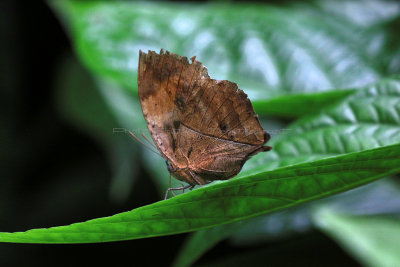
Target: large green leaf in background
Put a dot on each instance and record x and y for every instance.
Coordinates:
(300, 44)
(267, 50)
(367, 119)
(228, 201)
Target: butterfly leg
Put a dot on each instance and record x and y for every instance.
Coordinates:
(185, 187)
(177, 188)
(170, 185)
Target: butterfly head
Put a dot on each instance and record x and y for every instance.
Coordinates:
(183, 174)
(171, 168)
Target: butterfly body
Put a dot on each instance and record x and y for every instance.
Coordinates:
(206, 129)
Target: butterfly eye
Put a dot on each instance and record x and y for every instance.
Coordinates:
(170, 168)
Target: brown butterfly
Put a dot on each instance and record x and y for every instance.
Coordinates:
(206, 129)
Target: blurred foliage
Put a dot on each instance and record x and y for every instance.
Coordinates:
(373, 239)
(79, 98)
(332, 65)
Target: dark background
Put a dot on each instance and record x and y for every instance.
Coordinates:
(51, 174)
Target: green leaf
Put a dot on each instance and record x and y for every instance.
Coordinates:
(298, 105)
(373, 240)
(370, 118)
(229, 201)
(382, 196)
(267, 50)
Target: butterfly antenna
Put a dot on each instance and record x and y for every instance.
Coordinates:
(147, 139)
(140, 141)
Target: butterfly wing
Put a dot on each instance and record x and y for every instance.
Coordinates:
(196, 122)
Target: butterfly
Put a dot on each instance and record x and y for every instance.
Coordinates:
(206, 129)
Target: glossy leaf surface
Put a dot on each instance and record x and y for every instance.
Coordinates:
(267, 50)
